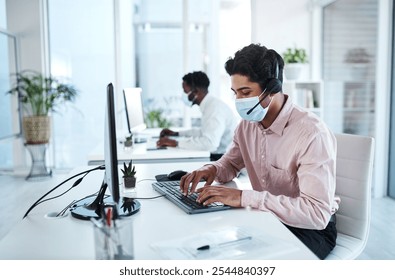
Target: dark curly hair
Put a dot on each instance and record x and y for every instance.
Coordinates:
(197, 79)
(256, 62)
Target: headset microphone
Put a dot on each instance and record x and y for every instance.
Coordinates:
(193, 90)
(273, 86)
(259, 102)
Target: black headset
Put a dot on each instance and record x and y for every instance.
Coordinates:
(193, 86)
(274, 85)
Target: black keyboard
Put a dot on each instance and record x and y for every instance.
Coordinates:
(188, 203)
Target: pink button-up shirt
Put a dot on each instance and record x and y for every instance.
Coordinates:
(291, 166)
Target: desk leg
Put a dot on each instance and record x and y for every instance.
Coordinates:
(39, 170)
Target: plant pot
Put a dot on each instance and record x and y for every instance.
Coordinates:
(129, 182)
(292, 71)
(128, 143)
(37, 129)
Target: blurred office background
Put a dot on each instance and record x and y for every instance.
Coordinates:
(152, 43)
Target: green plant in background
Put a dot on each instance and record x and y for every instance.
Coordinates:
(295, 55)
(40, 94)
(155, 119)
(128, 170)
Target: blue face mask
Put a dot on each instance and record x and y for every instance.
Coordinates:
(243, 105)
(185, 99)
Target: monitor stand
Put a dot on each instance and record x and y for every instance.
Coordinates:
(137, 139)
(92, 207)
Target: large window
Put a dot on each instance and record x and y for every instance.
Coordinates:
(9, 115)
(145, 43)
(82, 50)
(197, 37)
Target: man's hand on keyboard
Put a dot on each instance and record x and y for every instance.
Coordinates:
(225, 195)
(189, 181)
(166, 142)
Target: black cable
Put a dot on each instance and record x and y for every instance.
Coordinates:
(149, 197)
(101, 167)
(146, 180)
(61, 212)
(76, 183)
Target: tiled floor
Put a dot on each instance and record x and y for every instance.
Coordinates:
(17, 195)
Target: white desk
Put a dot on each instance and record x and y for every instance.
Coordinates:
(39, 237)
(140, 154)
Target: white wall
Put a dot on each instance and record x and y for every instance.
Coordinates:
(28, 31)
(282, 24)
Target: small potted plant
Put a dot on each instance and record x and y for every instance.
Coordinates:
(294, 59)
(129, 178)
(128, 141)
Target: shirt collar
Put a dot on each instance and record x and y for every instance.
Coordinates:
(281, 121)
(204, 102)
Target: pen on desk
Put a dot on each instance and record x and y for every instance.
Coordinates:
(231, 242)
(109, 217)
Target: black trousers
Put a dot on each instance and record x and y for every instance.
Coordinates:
(320, 242)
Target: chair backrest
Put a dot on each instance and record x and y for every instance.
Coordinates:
(354, 168)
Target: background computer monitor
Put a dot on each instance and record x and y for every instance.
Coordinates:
(91, 207)
(134, 110)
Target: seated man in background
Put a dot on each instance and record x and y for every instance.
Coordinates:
(217, 125)
(288, 152)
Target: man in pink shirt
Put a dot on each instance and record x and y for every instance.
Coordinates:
(288, 152)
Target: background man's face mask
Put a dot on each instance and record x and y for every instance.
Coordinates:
(187, 98)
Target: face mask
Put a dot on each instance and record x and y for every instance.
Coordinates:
(243, 105)
(185, 99)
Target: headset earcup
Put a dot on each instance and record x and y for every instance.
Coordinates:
(274, 85)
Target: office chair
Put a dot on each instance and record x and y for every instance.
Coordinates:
(353, 185)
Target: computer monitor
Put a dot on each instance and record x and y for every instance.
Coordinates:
(134, 110)
(92, 207)
(110, 147)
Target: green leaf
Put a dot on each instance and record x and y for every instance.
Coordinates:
(295, 55)
(40, 94)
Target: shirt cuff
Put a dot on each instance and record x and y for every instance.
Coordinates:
(182, 133)
(254, 199)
